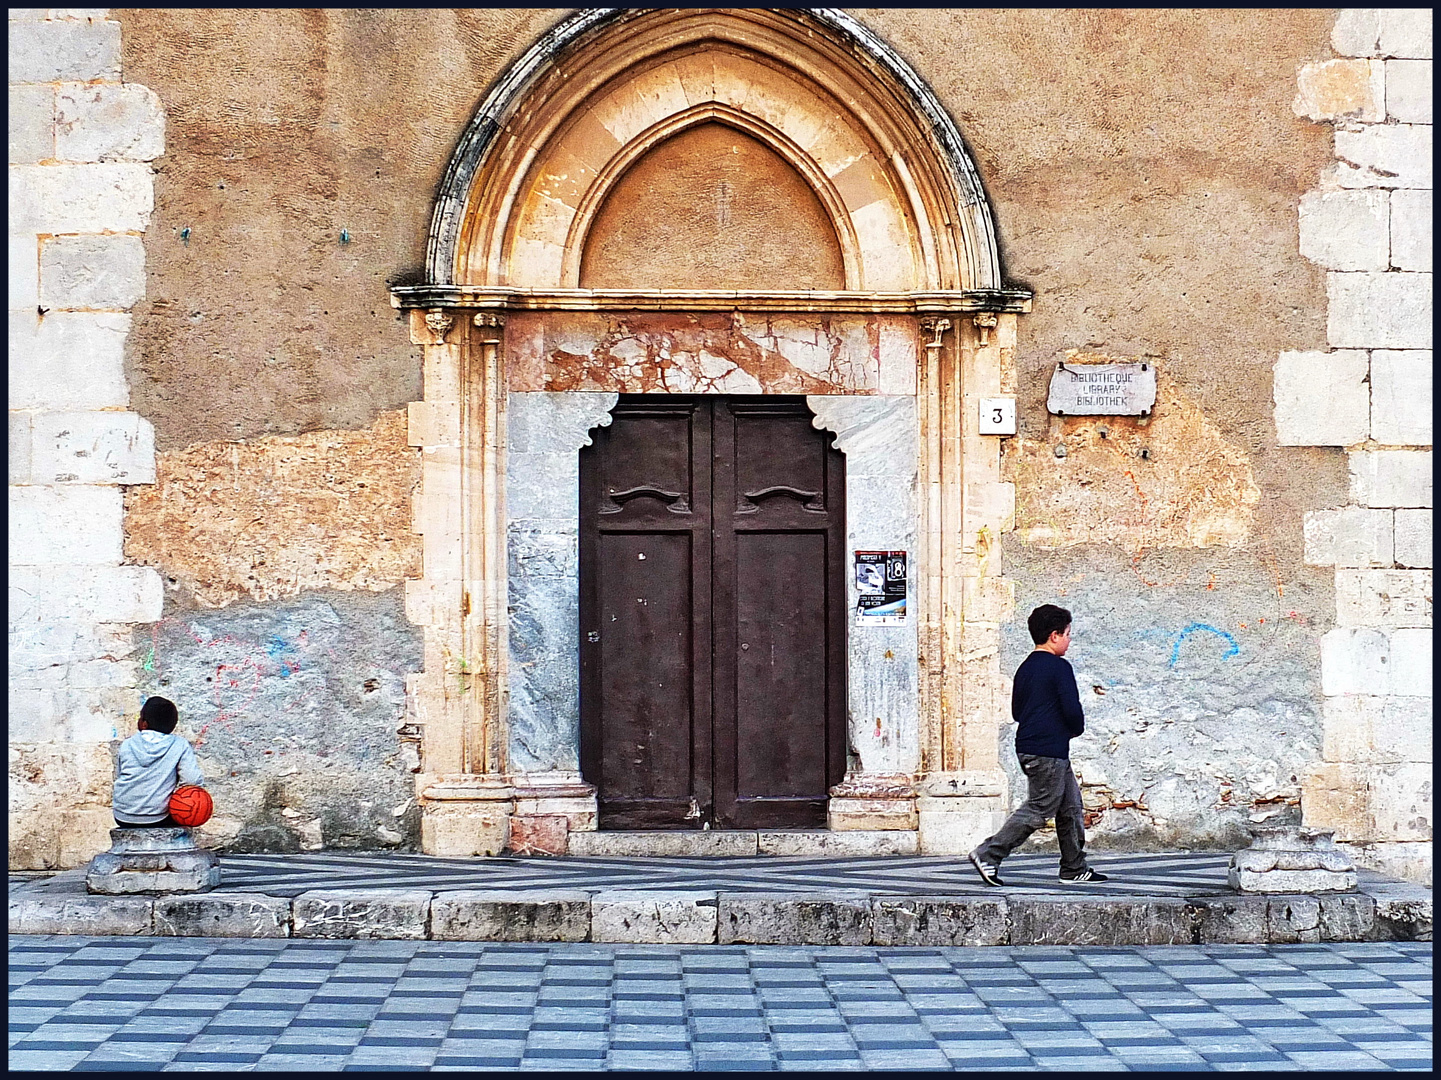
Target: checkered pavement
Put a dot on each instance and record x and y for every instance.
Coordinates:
(1168, 874)
(187, 1004)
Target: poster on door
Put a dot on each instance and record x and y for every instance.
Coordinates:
(880, 588)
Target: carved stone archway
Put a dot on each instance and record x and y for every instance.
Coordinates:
(922, 329)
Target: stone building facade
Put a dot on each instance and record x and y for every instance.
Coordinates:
(317, 318)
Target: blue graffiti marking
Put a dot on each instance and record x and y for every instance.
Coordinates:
(1234, 650)
(277, 646)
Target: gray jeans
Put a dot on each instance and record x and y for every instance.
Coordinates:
(1053, 793)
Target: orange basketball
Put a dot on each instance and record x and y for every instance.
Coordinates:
(191, 805)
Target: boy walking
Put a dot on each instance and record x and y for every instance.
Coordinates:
(1047, 710)
(152, 762)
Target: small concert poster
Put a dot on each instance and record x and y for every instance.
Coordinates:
(880, 588)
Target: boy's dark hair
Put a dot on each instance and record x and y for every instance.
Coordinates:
(160, 714)
(1047, 620)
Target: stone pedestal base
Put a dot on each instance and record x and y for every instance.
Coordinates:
(957, 810)
(465, 815)
(150, 861)
(549, 807)
(866, 802)
(1292, 859)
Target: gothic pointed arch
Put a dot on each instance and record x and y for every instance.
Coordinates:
(607, 87)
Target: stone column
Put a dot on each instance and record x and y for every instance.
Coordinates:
(965, 508)
(458, 702)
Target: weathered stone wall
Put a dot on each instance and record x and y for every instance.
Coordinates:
(293, 707)
(81, 143)
(1369, 225)
(1151, 205)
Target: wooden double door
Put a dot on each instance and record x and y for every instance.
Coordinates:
(712, 614)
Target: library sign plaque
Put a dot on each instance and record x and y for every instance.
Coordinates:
(1102, 390)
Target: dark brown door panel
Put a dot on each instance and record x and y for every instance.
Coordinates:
(713, 614)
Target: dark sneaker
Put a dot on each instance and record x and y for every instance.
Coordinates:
(1084, 877)
(988, 871)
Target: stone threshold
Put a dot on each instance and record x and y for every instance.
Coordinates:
(1377, 911)
(741, 843)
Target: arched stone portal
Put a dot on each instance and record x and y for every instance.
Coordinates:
(714, 201)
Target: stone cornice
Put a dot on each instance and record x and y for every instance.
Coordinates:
(908, 303)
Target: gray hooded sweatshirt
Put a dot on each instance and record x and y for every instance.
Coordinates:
(148, 765)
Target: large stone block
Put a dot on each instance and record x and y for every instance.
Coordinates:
(92, 594)
(637, 916)
(93, 448)
(96, 272)
(839, 844)
(462, 828)
(223, 914)
(497, 915)
(1413, 538)
(55, 51)
(1403, 910)
(69, 525)
(955, 826)
(32, 125)
(1383, 598)
(1379, 311)
(20, 445)
(102, 916)
(689, 843)
(1355, 660)
(1411, 230)
(1408, 91)
(1345, 230)
(402, 914)
(1230, 920)
(112, 196)
(1401, 801)
(1100, 920)
(1401, 385)
(939, 921)
(108, 123)
(1391, 478)
(68, 360)
(1411, 658)
(1404, 32)
(1351, 536)
(1341, 89)
(24, 271)
(1321, 399)
(1305, 919)
(1369, 729)
(839, 917)
(1383, 156)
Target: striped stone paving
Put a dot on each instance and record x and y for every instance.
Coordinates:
(190, 1004)
(1166, 874)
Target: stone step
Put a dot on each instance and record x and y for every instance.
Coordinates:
(1377, 911)
(713, 843)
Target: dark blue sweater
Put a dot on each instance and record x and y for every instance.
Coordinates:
(1045, 704)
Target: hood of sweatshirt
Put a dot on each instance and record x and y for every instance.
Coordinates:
(150, 746)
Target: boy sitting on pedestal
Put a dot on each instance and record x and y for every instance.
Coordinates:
(152, 763)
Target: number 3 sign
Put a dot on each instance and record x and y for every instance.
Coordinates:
(998, 416)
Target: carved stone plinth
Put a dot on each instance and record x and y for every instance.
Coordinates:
(872, 801)
(151, 861)
(1292, 859)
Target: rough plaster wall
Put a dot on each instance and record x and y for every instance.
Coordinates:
(281, 515)
(294, 708)
(1144, 168)
(712, 208)
(287, 127)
